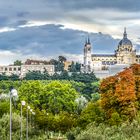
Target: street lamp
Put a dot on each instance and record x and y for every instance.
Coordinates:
(13, 93)
(33, 113)
(28, 108)
(22, 104)
(31, 117)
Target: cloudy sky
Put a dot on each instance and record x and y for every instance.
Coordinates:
(44, 29)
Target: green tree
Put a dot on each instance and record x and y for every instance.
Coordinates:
(4, 127)
(72, 67)
(62, 59)
(59, 96)
(91, 113)
(13, 77)
(3, 77)
(34, 75)
(75, 67)
(4, 107)
(17, 63)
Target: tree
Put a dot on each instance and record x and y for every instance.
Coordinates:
(91, 113)
(59, 96)
(54, 96)
(81, 103)
(72, 67)
(59, 67)
(34, 75)
(116, 97)
(78, 67)
(30, 92)
(14, 77)
(75, 67)
(17, 63)
(4, 127)
(83, 77)
(64, 75)
(136, 71)
(3, 77)
(53, 62)
(62, 59)
(4, 107)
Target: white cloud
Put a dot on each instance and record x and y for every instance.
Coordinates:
(8, 57)
(74, 57)
(6, 29)
(34, 23)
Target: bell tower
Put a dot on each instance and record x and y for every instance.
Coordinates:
(87, 56)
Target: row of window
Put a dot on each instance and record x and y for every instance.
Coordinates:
(99, 59)
(109, 62)
(137, 60)
(11, 69)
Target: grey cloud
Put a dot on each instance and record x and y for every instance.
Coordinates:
(15, 13)
(3, 20)
(88, 4)
(51, 40)
(58, 10)
(22, 14)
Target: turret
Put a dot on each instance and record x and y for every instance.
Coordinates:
(87, 56)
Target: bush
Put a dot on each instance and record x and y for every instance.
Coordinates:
(126, 131)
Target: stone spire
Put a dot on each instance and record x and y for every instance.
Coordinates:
(125, 34)
(85, 41)
(88, 40)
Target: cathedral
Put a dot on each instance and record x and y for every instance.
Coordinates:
(104, 65)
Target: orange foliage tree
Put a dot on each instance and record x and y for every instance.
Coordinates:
(136, 71)
(118, 95)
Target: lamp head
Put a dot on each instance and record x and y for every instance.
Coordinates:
(23, 103)
(33, 113)
(14, 92)
(28, 107)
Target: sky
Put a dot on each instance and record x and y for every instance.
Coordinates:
(45, 29)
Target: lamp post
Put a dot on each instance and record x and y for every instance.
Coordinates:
(28, 108)
(13, 93)
(31, 117)
(33, 113)
(22, 104)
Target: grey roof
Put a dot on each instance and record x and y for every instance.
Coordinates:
(103, 55)
(125, 41)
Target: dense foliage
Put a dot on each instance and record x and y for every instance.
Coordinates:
(77, 106)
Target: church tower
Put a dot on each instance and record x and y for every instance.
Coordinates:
(87, 56)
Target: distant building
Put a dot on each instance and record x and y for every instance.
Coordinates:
(67, 64)
(26, 68)
(29, 65)
(104, 65)
(11, 69)
(36, 62)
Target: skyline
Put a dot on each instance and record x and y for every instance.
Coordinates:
(42, 28)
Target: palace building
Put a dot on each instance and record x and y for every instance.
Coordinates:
(28, 66)
(104, 65)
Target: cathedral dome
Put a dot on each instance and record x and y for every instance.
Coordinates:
(125, 41)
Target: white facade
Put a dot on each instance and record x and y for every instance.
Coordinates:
(9, 70)
(23, 69)
(26, 68)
